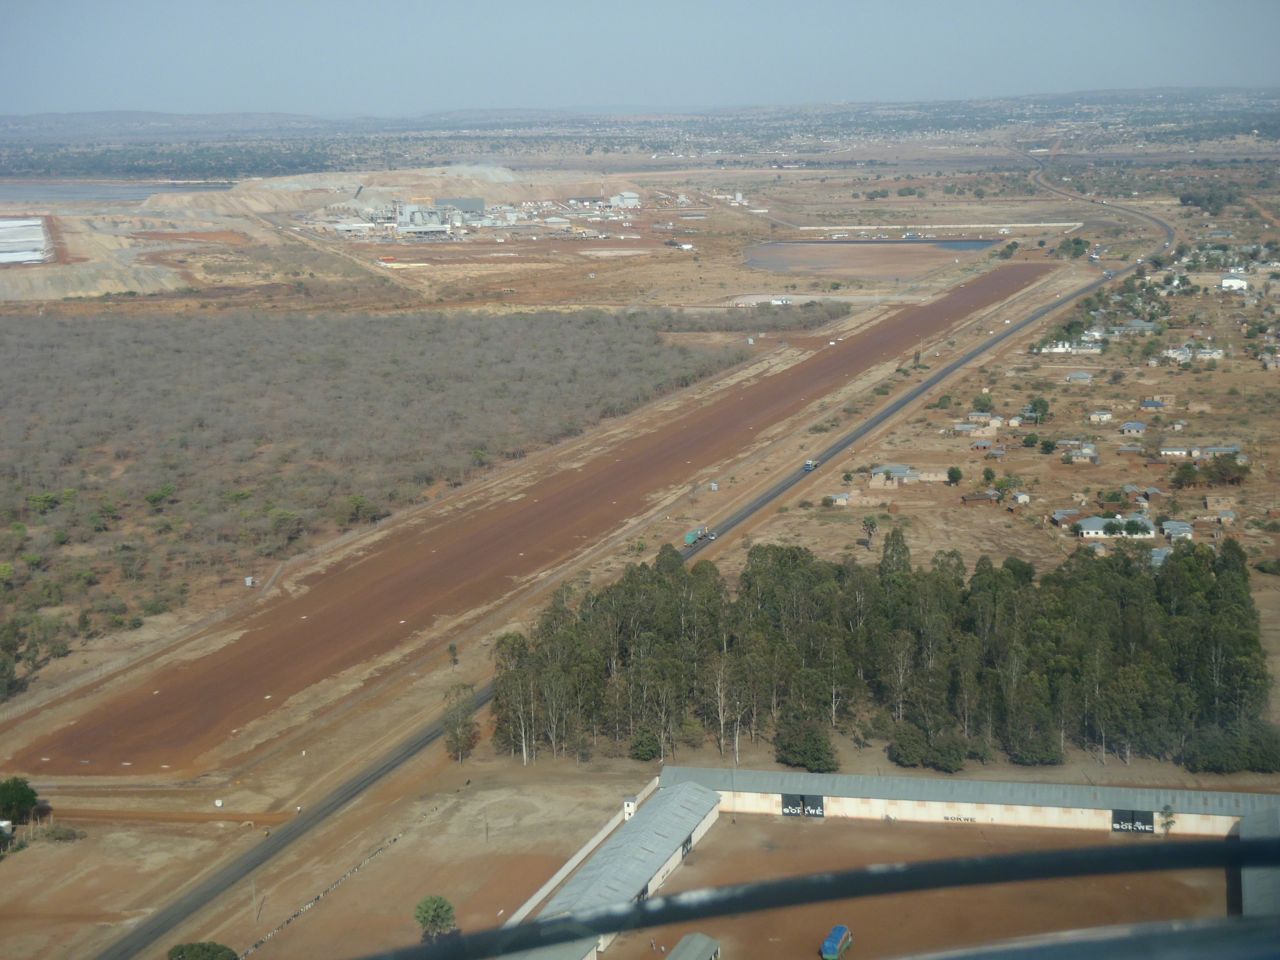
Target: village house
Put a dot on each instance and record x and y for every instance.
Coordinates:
(1130, 526)
(1133, 428)
(1177, 530)
(1233, 283)
(1083, 453)
(1100, 416)
(1080, 378)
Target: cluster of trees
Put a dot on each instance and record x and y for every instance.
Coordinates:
(1103, 653)
(1212, 198)
(1136, 299)
(1223, 470)
(140, 455)
(1074, 248)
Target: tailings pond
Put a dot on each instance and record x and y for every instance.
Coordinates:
(869, 259)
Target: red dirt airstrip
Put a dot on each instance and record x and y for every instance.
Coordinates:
(368, 605)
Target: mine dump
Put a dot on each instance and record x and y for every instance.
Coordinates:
(24, 240)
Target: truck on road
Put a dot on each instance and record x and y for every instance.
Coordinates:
(810, 466)
(693, 536)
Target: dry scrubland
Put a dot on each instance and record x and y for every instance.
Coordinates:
(145, 456)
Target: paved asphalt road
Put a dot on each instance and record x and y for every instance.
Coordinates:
(204, 892)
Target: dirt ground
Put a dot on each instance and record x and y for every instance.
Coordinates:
(371, 605)
(743, 848)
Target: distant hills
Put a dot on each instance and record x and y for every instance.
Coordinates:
(121, 127)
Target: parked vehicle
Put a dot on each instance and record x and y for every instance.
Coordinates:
(838, 941)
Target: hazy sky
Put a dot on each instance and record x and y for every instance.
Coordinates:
(402, 58)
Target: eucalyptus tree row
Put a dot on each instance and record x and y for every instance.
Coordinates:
(1108, 654)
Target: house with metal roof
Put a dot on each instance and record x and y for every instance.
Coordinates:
(1080, 378)
(1127, 527)
(900, 472)
(1177, 530)
(1133, 428)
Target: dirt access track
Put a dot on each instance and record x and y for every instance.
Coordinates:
(367, 606)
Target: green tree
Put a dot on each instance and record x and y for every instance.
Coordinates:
(1040, 409)
(17, 799)
(954, 475)
(805, 743)
(895, 555)
(1186, 475)
(436, 917)
(869, 527)
(983, 403)
(207, 950)
(1048, 446)
(988, 476)
(1030, 440)
(461, 732)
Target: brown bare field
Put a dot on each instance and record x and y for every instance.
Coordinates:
(366, 606)
(745, 848)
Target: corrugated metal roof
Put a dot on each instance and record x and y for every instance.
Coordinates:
(1218, 803)
(1260, 886)
(695, 946)
(584, 949)
(625, 863)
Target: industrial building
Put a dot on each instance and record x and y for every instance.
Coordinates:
(1195, 812)
(632, 863)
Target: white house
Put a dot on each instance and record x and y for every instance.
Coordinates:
(1234, 284)
(1100, 416)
